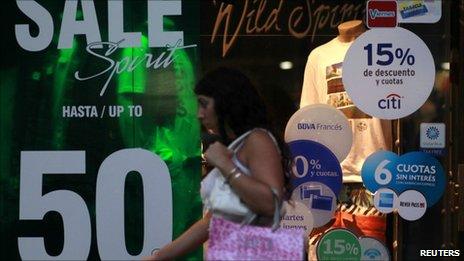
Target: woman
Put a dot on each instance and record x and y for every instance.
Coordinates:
(230, 106)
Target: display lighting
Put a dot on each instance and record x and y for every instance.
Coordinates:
(286, 65)
(445, 66)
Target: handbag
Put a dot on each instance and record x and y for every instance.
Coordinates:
(221, 197)
(233, 241)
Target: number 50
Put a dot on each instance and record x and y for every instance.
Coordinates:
(109, 203)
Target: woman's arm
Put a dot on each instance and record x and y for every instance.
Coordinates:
(196, 235)
(261, 156)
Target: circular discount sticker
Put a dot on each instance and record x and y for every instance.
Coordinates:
(373, 249)
(315, 163)
(411, 205)
(338, 244)
(319, 199)
(297, 216)
(373, 172)
(413, 170)
(418, 171)
(388, 73)
(385, 200)
(324, 124)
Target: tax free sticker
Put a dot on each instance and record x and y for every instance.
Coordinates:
(433, 135)
(411, 171)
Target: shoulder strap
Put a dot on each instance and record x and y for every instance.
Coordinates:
(251, 216)
(238, 141)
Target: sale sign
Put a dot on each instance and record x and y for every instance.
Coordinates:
(100, 144)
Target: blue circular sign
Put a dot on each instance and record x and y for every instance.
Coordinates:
(313, 162)
(412, 171)
(373, 172)
(419, 171)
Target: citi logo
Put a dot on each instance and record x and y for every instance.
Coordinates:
(392, 101)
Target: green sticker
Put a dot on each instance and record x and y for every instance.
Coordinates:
(339, 244)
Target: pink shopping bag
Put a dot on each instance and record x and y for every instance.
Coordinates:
(232, 241)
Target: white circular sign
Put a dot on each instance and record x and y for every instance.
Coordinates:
(373, 249)
(320, 200)
(324, 124)
(297, 216)
(385, 200)
(411, 205)
(388, 73)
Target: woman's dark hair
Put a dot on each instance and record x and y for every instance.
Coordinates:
(238, 106)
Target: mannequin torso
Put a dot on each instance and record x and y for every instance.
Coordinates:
(323, 84)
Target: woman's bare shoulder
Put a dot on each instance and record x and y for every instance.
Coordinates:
(260, 140)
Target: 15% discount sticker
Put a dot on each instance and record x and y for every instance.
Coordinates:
(383, 50)
(388, 73)
(339, 244)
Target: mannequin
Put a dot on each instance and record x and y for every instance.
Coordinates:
(323, 84)
(350, 30)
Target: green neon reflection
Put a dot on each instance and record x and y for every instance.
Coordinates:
(61, 78)
(168, 127)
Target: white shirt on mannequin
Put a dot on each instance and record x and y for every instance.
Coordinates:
(323, 84)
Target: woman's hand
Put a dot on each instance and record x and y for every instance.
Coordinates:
(218, 155)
